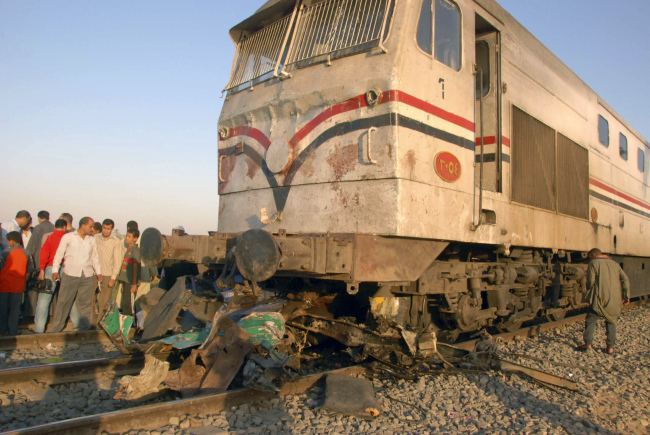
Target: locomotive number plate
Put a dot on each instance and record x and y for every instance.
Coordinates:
(447, 166)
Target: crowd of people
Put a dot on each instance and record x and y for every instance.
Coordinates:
(66, 272)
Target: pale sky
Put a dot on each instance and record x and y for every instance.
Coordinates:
(110, 109)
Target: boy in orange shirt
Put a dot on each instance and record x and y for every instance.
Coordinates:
(15, 267)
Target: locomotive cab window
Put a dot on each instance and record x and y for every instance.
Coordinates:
(446, 32)
(622, 145)
(603, 131)
(641, 160)
(425, 29)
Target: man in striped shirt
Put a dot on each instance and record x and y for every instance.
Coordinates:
(109, 249)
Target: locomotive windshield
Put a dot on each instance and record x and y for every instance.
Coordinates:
(315, 33)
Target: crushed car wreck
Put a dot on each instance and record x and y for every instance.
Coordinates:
(229, 328)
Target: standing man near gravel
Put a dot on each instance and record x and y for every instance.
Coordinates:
(46, 260)
(79, 250)
(608, 288)
(33, 251)
(109, 249)
(44, 226)
(14, 266)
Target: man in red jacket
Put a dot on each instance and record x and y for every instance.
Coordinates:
(15, 266)
(46, 258)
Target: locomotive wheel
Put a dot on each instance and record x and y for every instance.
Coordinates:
(555, 314)
(509, 326)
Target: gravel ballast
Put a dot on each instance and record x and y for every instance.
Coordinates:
(612, 400)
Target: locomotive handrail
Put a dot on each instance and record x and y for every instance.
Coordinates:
(370, 130)
(219, 170)
(475, 225)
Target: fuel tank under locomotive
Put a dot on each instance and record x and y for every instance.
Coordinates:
(385, 285)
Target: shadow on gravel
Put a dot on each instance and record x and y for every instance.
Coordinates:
(523, 402)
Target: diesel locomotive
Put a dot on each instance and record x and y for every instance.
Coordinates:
(414, 166)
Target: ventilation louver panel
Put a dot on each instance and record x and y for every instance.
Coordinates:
(572, 178)
(533, 161)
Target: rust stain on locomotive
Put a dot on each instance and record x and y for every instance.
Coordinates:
(251, 168)
(307, 168)
(343, 160)
(410, 161)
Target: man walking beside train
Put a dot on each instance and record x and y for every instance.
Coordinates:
(608, 288)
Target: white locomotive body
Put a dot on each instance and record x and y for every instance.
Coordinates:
(431, 153)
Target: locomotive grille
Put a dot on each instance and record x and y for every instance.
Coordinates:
(533, 161)
(572, 178)
(259, 54)
(332, 26)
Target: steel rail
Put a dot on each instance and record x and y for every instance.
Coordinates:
(153, 416)
(535, 330)
(40, 341)
(74, 371)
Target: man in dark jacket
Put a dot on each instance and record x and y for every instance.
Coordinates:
(33, 251)
(44, 226)
(608, 288)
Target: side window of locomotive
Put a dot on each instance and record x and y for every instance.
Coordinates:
(483, 64)
(447, 34)
(424, 27)
(622, 145)
(603, 131)
(641, 160)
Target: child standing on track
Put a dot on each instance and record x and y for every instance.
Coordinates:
(130, 272)
(15, 266)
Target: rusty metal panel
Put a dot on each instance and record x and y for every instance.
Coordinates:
(379, 259)
(572, 178)
(533, 161)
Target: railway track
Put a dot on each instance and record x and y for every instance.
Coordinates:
(74, 371)
(40, 341)
(153, 416)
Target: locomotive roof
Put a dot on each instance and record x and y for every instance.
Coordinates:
(270, 12)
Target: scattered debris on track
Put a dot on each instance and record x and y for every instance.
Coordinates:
(609, 402)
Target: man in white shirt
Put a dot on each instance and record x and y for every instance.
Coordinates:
(109, 248)
(26, 232)
(22, 217)
(79, 250)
